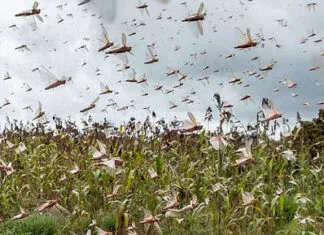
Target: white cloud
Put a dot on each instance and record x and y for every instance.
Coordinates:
(293, 59)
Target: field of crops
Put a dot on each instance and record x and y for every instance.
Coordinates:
(64, 182)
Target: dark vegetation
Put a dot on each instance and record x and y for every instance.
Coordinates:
(287, 194)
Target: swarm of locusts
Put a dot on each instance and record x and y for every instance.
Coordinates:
(157, 177)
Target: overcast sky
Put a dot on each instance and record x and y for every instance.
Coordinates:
(55, 45)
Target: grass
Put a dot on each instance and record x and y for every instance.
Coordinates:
(34, 224)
